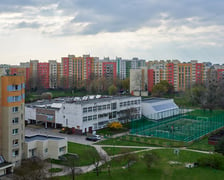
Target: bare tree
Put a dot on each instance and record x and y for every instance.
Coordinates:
(31, 169)
(97, 160)
(72, 161)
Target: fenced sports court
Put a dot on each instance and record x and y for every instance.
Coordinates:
(186, 126)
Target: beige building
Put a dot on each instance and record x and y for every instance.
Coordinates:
(12, 97)
(44, 147)
(139, 82)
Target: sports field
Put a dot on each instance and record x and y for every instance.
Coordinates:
(184, 127)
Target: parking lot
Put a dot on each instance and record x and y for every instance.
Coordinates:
(32, 130)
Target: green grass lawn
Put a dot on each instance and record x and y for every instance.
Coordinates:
(55, 170)
(116, 150)
(202, 145)
(141, 141)
(85, 153)
(161, 170)
(206, 113)
(121, 142)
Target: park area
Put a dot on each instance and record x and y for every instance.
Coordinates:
(168, 166)
(188, 126)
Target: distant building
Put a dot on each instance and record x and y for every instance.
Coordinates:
(139, 82)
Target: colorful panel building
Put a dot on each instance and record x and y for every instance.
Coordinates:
(12, 98)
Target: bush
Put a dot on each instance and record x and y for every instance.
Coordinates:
(115, 125)
(219, 147)
(215, 161)
(150, 159)
(55, 170)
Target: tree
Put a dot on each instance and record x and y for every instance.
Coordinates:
(95, 160)
(72, 161)
(162, 88)
(126, 84)
(130, 159)
(219, 147)
(150, 159)
(46, 95)
(220, 94)
(197, 94)
(30, 169)
(112, 90)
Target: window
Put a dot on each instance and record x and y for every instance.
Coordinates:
(104, 107)
(46, 150)
(62, 149)
(90, 118)
(94, 117)
(114, 106)
(15, 131)
(15, 120)
(15, 153)
(84, 118)
(15, 109)
(14, 98)
(108, 106)
(99, 108)
(90, 109)
(14, 87)
(84, 110)
(15, 142)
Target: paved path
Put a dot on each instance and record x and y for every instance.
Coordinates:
(103, 154)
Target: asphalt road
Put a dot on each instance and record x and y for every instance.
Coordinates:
(81, 139)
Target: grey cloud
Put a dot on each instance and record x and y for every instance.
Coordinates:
(24, 24)
(127, 15)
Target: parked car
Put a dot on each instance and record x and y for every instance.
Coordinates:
(93, 138)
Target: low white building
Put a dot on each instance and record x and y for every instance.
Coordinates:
(44, 147)
(159, 108)
(84, 114)
(5, 167)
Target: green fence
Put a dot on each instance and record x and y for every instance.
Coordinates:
(187, 126)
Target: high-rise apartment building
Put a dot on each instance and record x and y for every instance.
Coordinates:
(12, 128)
(53, 71)
(43, 75)
(33, 73)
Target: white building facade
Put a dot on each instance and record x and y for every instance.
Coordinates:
(86, 114)
(159, 108)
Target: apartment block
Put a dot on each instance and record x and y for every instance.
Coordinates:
(12, 127)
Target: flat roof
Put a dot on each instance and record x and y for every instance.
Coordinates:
(41, 138)
(5, 164)
(154, 100)
(55, 103)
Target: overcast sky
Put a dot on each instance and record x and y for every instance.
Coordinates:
(148, 29)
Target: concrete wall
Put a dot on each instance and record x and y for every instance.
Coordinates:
(46, 148)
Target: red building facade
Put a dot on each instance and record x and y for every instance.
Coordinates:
(109, 70)
(43, 74)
